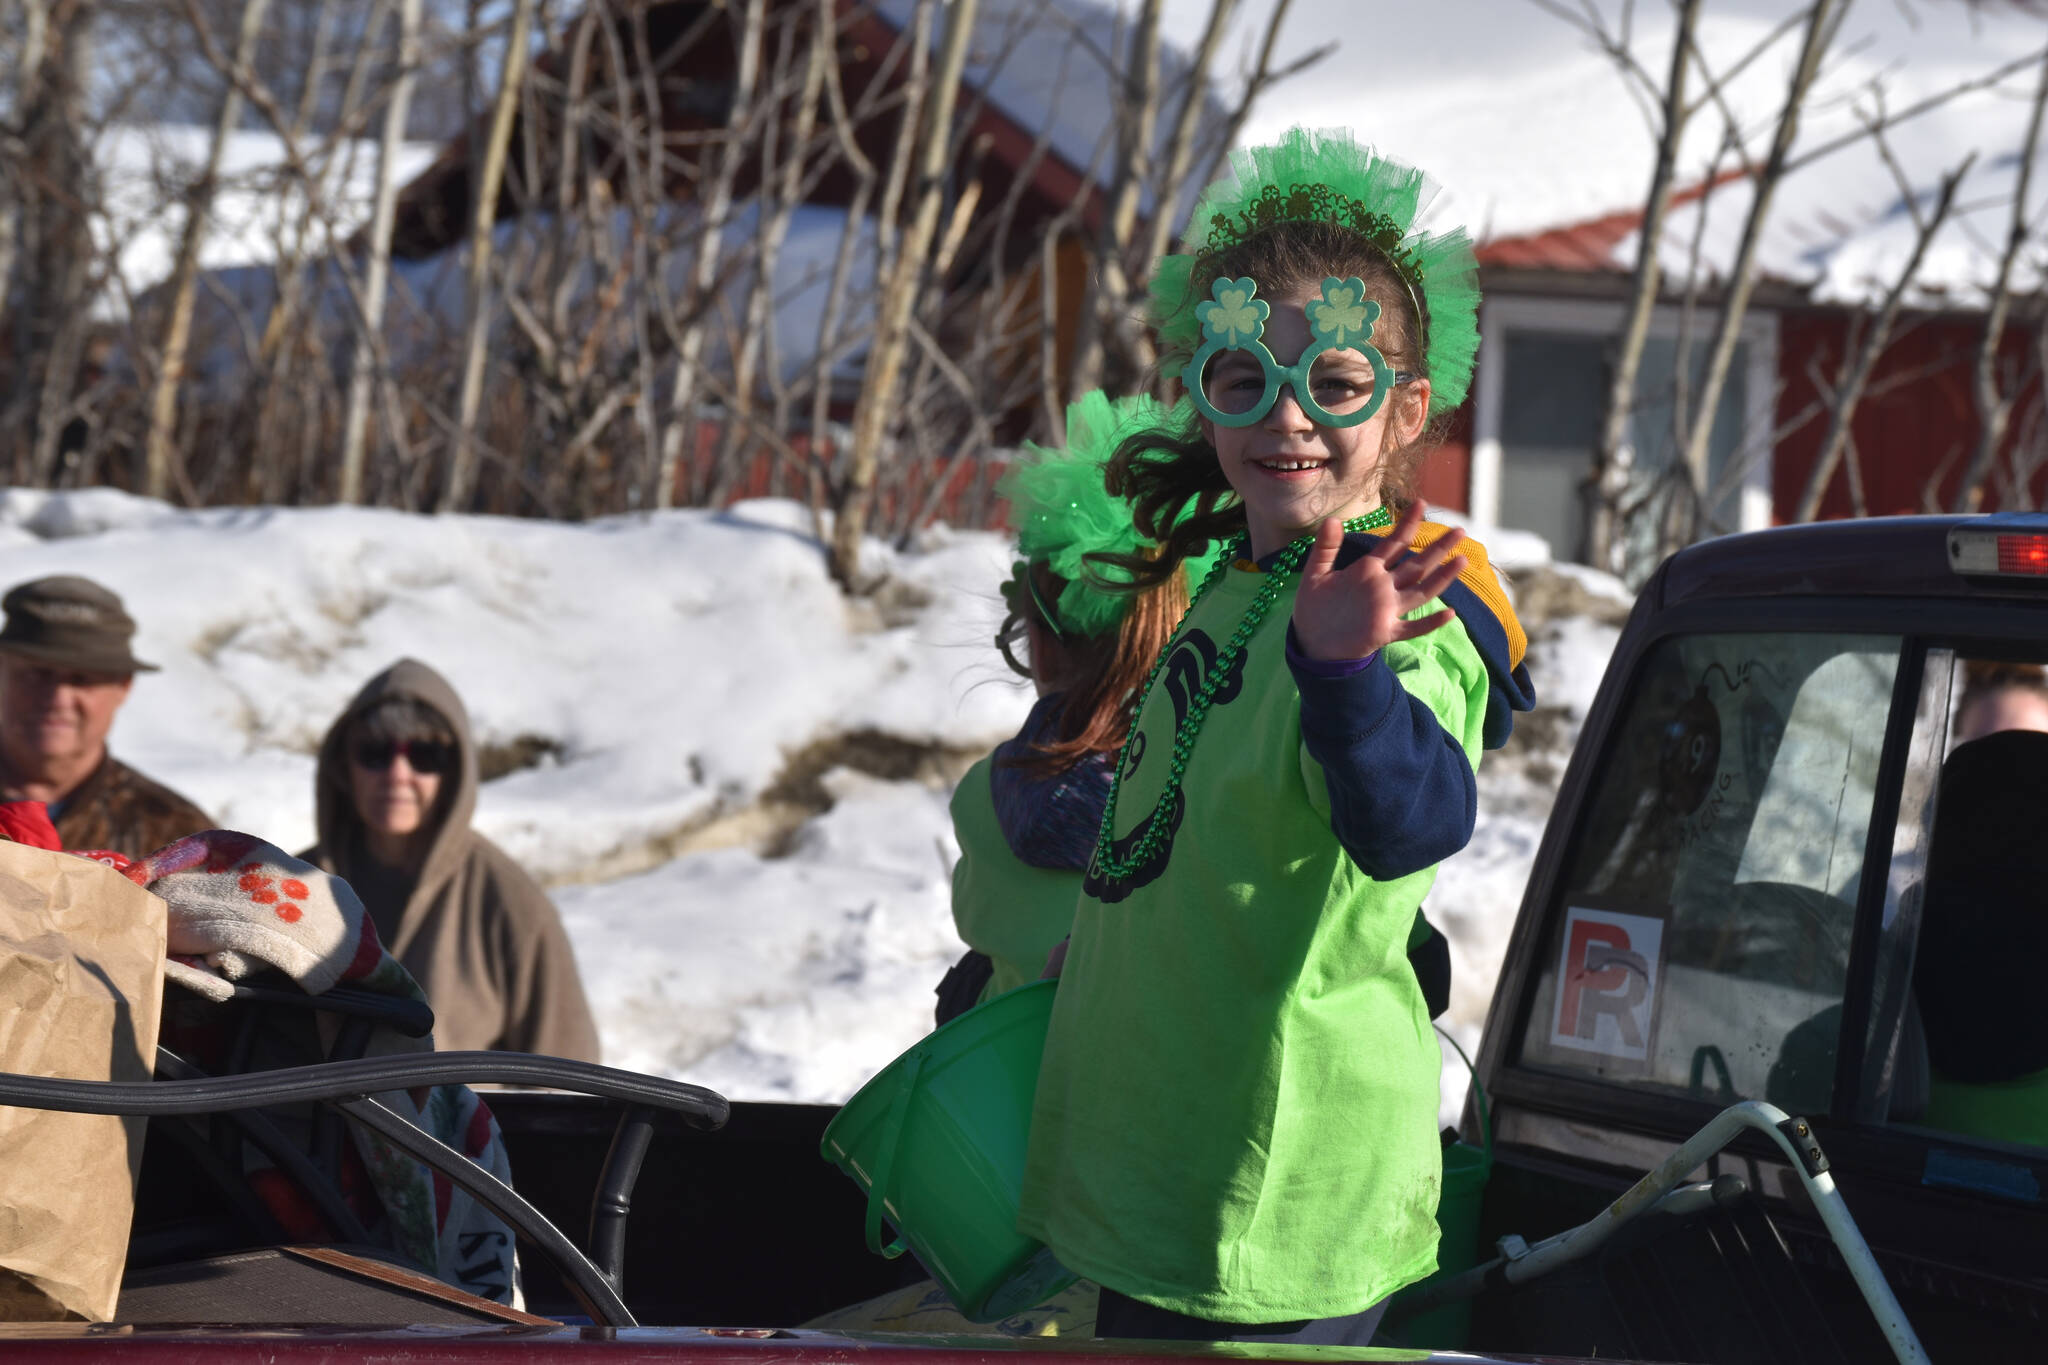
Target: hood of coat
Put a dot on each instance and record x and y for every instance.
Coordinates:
(339, 825)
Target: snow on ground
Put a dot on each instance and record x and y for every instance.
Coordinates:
(673, 664)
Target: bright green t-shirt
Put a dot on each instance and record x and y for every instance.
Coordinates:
(1002, 905)
(1236, 1115)
(2006, 1111)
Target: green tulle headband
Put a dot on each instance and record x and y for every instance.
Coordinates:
(1063, 513)
(1328, 177)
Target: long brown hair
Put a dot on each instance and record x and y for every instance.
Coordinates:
(1172, 477)
(1106, 670)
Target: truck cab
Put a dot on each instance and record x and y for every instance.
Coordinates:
(1775, 872)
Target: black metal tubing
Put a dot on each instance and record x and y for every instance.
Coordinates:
(349, 1086)
(283, 1153)
(584, 1280)
(413, 1018)
(699, 1107)
(330, 1132)
(613, 1203)
(359, 1010)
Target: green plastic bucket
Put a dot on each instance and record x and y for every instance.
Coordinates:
(937, 1140)
(1457, 1219)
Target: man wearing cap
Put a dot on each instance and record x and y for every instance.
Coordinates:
(65, 669)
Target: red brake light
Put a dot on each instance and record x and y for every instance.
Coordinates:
(2023, 554)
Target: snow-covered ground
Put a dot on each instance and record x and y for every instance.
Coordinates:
(741, 779)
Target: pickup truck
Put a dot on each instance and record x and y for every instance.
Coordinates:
(1762, 977)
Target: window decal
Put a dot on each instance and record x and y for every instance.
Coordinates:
(1608, 983)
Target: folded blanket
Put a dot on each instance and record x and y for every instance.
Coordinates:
(239, 906)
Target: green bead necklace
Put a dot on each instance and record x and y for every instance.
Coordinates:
(1107, 865)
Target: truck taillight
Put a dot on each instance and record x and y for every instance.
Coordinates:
(1988, 549)
(2023, 554)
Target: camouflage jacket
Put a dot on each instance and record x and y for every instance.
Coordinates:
(118, 808)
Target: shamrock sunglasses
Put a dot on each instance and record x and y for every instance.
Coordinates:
(1341, 320)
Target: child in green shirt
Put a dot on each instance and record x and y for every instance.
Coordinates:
(1235, 1128)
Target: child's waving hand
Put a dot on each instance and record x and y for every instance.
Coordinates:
(1350, 612)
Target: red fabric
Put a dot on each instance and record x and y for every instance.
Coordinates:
(369, 953)
(28, 822)
(291, 1206)
(479, 1135)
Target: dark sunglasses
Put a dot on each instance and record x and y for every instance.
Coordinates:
(429, 756)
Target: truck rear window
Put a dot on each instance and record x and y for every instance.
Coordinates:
(1701, 941)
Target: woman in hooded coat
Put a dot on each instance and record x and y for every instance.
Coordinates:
(394, 794)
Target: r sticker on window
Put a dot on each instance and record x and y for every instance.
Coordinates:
(1607, 983)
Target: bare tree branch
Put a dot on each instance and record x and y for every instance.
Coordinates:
(163, 406)
(878, 390)
(1994, 409)
(1847, 392)
(483, 219)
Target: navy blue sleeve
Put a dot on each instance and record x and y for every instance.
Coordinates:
(1049, 821)
(1402, 793)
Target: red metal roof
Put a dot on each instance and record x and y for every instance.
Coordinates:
(1588, 245)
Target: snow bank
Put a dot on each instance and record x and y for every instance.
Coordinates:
(671, 659)
(672, 663)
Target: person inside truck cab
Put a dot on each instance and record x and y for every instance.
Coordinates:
(1984, 920)
(2000, 696)
(1235, 1125)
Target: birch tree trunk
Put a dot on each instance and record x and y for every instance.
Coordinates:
(159, 446)
(829, 340)
(757, 340)
(1109, 294)
(367, 358)
(47, 294)
(26, 64)
(713, 207)
(1180, 147)
(1607, 480)
(483, 218)
(885, 360)
(1821, 26)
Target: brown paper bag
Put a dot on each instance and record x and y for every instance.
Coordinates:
(81, 985)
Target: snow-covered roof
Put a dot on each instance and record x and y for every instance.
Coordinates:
(427, 299)
(1540, 132)
(1042, 62)
(144, 169)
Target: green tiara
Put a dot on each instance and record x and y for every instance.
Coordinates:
(1063, 513)
(1328, 177)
